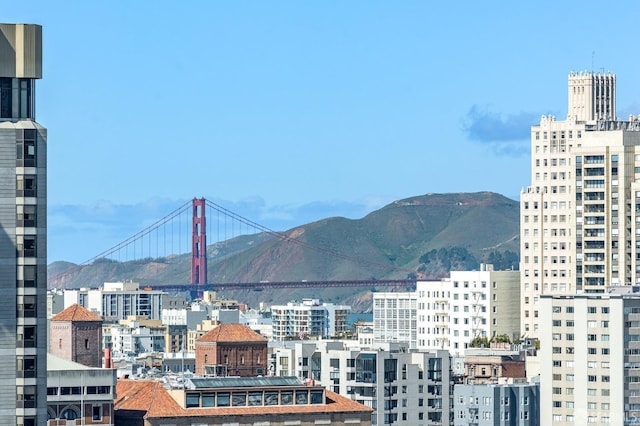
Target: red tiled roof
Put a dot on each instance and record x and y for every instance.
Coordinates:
(144, 395)
(76, 312)
(231, 333)
(152, 398)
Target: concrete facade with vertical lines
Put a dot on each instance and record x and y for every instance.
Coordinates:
(23, 225)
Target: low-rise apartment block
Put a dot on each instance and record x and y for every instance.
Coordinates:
(119, 300)
(309, 318)
(497, 404)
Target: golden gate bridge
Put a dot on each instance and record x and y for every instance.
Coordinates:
(165, 238)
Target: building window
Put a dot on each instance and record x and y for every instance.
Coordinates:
(26, 216)
(26, 336)
(26, 367)
(69, 414)
(26, 186)
(96, 412)
(26, 246)
(26, 307)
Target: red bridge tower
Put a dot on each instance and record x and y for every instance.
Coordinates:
(199, 243)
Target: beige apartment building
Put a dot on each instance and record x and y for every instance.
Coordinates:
(580, 216)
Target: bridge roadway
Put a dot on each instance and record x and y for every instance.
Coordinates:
(263, 285)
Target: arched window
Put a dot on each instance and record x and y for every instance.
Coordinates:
(69, 414)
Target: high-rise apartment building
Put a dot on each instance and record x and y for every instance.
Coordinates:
(23, 225)
(580, 218)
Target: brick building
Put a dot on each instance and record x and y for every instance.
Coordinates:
(75, 334)
(231, 350)
(250, 401)
(488, 366)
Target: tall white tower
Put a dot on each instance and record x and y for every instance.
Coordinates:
(592, 96)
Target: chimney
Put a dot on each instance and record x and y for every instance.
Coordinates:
(108, 362)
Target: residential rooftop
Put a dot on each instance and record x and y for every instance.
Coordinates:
(157, 402)
(76, 312)
(231, 333)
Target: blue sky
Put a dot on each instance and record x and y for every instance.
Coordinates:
(290, 111)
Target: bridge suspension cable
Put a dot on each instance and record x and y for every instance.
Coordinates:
(286, 238)
(140, 235)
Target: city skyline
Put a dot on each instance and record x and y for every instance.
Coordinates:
(291, 112)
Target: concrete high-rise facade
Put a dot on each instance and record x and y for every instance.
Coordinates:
(590, 357)
(580, 218)
(23, 225)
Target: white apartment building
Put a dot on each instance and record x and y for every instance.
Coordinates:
(134, 338)
(309, 318)
(183, 317)
(590, 358)
(395, 317)
(118, 300)
(402, 386)
(468, 304)
(580, 216)
(449, 313)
